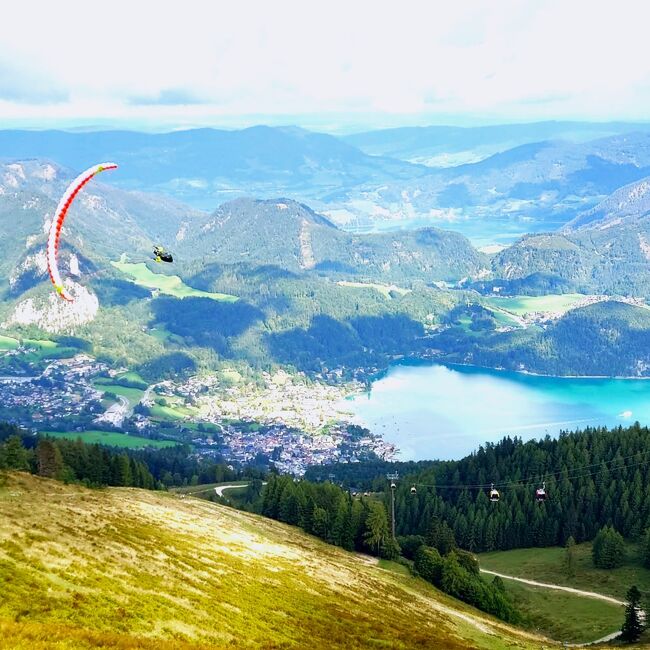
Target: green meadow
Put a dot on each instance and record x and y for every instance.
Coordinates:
(111, 439)
(170, 285)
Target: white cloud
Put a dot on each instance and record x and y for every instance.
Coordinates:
(505, 59)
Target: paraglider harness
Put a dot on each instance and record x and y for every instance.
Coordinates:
(160, 255)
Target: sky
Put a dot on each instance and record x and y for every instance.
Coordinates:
(333, 65)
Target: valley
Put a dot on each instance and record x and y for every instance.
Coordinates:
(349, 348)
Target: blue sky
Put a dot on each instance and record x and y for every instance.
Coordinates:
(335, 65)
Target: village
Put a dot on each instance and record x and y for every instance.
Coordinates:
(282, 419)
(293, 421)
(63, 391)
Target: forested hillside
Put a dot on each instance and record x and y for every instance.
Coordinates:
(604, 339)
(593, 478)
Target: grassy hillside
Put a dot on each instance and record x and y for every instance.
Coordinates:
(126, 568)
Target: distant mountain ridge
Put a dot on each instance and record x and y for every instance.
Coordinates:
(443, 146)
(291, 236)
(208, 166)
(536, 186)
(627, 205)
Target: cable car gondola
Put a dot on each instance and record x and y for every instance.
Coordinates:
(494, 494)
(540, 493)
(413, 490)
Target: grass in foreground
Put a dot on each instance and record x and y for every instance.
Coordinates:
(127, 568)
(111, 438)
(170, 285)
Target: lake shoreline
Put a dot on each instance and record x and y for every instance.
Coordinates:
(432, 409)
(431, 361)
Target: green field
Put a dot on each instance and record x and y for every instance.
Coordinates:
(134, 378)
(170, 285)
(503, 317)
(383, 289)
(133, 395)
(39, 350)
(561, 615)
(520, 305)
(395, 567)
(170, 412)
(564, 616)
(111, 438)
(547, 565)
(7, 343)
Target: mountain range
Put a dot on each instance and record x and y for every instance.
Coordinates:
(291, 236)
(535, 177)
(532, 187)
(304, 282)
(205, 167)
(603, 250)
(448, 146)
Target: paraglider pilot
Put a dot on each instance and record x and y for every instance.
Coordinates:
(161, 255)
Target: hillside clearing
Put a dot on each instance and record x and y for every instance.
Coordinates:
(547, 565)
(170, 285)
(521, 305)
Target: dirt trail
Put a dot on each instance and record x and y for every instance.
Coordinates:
(579, 592)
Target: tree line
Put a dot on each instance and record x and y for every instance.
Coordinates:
(594, 478)
(96, 465)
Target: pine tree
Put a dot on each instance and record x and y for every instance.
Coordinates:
(608, 549)
(646, 549)
(632, 627)
(342, 529)
(570, 557)
(289, 509)
(428, 564)
(13, 455)
(377, 529)
(123, 471)
(321, 523)
(48, 459)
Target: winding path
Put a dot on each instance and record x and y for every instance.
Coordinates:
(579, 592)
(222, 488)
(571, 590)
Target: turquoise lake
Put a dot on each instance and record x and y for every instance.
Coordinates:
(435, 411)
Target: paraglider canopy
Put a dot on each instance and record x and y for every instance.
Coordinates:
(57, 225)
